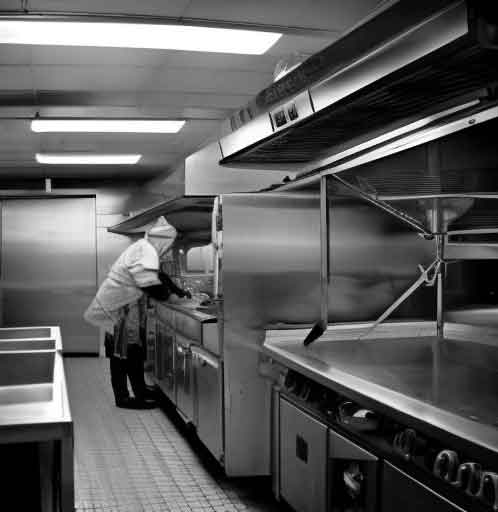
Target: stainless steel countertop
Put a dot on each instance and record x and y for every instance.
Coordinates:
(450, 384)
(192, 312)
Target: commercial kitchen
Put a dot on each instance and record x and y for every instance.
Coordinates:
(330, 172)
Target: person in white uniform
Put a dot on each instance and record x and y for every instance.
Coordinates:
(117, 308)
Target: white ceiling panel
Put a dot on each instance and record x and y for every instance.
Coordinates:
(170, 8)
(102, 82)
(314, 14)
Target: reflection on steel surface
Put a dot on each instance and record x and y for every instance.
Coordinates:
(271, 275)
(49, 266)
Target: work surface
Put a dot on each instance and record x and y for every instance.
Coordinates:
(450, 384)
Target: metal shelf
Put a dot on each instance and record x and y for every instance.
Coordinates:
(190, 215)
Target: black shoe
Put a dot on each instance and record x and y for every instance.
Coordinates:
(150, 393)
(133, 403)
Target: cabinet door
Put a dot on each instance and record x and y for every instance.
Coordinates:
(184, 387)
(165, 359)
(303, 459)
(209, 411)
(401, 492)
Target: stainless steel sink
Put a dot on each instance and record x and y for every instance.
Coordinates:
(29, 393)
(25, 368)
(15, 333)
(30, 344)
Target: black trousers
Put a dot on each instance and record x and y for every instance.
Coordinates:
(131, 367)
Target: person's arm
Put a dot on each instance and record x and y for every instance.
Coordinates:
(172, 287)
(158, 292)
(162, 291)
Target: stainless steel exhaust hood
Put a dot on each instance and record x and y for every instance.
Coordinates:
(411, 61)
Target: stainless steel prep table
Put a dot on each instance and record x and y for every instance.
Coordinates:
(34, 408)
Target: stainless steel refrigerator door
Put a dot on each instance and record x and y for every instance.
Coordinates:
(48, 267)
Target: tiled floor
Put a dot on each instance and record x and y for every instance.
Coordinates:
(143, 461)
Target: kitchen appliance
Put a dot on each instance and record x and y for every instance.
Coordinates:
(402, 69)
(401, 464)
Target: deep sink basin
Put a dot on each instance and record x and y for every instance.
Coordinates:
(16, 333)
(33, 344)
(26, 368)
(26, 394)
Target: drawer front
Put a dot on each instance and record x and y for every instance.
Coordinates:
(165, 314)
(211, 338)
(188, 326)
(303, 460)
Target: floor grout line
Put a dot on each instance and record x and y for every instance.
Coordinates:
(136, 461)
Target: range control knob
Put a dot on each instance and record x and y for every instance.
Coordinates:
(488, 491)
(446, 465)
(408, 443)
(469, 477)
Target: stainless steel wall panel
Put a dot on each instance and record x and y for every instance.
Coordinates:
(49, 266)
(271, 272)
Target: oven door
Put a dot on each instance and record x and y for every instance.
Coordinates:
(352, 475)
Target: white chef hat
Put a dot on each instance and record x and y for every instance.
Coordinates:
(161, 235)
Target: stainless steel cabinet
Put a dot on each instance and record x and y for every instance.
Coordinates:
(208, 384)
(400, 492)
(164, 360)
(183, 373)
(303, 460)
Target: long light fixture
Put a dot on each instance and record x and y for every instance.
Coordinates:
(86, 159)
(136, 35)
(106, 126)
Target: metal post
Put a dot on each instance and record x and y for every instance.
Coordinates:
(325, 251)
(440, 286)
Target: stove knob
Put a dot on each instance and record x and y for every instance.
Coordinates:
(469, 477)
(407, 443)
(446, 465)
(488, 491)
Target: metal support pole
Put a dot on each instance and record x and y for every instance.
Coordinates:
(440, 286)
(325, 251)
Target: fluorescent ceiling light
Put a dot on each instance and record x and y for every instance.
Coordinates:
(137, 35)
(106, 125)
(86, 159)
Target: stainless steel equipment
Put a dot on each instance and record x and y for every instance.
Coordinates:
(372, 85)
(48, 266)
(184, 376)
(410, 495)
(303, 460)
(208, 377)
(352, 478)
